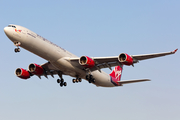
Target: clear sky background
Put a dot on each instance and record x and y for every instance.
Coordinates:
(97, 29)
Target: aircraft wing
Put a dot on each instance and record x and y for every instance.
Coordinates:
(108, 62)
(132, 81)
(149, 56)
(100, 62)
(49, 69)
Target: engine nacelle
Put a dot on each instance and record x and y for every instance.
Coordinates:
(125, 59)
(22, 73)
(36, 69)
(86, 62)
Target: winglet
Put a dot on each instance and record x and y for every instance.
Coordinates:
(175, 51)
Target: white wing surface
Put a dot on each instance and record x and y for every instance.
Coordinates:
(149, 56)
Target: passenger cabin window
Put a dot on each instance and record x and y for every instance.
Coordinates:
(12, 26)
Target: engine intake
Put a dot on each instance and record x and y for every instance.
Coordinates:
(22, 73)
(36, 69)
(125, 59)
(86, 62)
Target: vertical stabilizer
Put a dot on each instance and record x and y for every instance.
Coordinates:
(116, 73)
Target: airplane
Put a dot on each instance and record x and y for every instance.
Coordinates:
(61, 62)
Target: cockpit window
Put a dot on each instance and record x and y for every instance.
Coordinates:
(12, 26)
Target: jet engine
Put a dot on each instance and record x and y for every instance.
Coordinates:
(22, 73)
(35, 69)
(125, 59)
(86, 62)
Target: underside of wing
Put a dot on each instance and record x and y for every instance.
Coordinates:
(46, 68)
(38, 70)
(97, 63)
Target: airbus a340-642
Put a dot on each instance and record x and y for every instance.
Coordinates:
(61, 62)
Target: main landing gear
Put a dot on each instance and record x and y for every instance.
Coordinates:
(61, 80)
(90, 78)
(76, 80)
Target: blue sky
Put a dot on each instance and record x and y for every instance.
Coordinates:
(96, 29)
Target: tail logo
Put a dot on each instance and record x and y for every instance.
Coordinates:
(117, 72)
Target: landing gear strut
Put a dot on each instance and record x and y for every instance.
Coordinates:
(61, 80)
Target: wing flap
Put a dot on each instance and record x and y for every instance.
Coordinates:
(133, 81)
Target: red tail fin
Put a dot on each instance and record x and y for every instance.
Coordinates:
(116, 73)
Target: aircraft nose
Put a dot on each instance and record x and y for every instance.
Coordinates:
(6, 30)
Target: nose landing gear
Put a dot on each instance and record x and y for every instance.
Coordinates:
(17, 50)
(17, 44)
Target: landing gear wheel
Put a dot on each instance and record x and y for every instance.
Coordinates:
(65, 84)
(17, 50)
(77, 80)
(80, 79)
(87, 77)
(90, 78)
(58, 80)
(74, 80)
(93, 80)
(89, 81)
(61, 84)
(62, 80)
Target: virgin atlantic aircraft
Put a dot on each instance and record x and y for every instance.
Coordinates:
(61, 62)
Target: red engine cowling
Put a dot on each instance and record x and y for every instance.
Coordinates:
(22, 73)
(86, 62)
(36, 69)
(125, 59)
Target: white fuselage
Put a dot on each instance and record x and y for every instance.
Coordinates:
(56, 55)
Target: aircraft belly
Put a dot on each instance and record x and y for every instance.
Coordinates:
(67, 68)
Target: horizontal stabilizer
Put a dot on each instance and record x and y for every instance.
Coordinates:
(133, 81)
